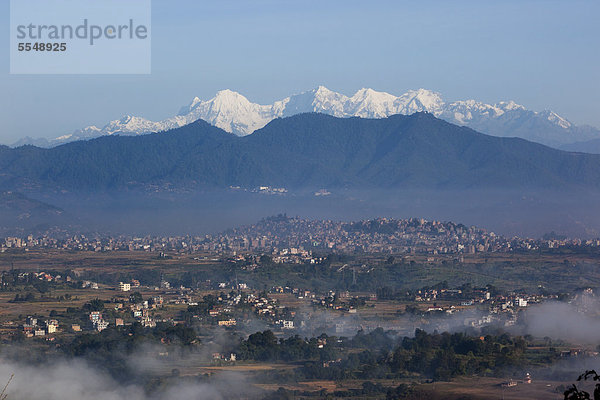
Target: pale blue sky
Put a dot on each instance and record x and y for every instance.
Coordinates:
(540, 53)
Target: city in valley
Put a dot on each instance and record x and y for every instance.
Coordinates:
(298, 308)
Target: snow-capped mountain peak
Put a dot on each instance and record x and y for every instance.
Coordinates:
(509, 106)
(322, 91)
(420, 100)
(234, 113)
(369, 103)
(187, 109)
(556, 119)
(229, 97)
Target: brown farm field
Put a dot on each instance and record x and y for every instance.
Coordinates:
(492, 388)
(40, 260)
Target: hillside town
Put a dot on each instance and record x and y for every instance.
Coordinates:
(289, 239)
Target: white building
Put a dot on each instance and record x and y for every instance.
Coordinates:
(288, 325)
(521, 302)
(100, 325)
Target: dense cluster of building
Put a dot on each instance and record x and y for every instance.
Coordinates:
(293, 239)
(227, 309)
(33, 327)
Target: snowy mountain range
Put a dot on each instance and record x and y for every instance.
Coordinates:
(234, 113)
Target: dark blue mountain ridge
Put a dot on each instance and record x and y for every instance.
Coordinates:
(303, 151)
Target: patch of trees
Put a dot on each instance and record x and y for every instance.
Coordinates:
(22, 298)
(443, 356)
(93, 305)
(111, 348)
(435, 356)
(574, 393)
(264, 346)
